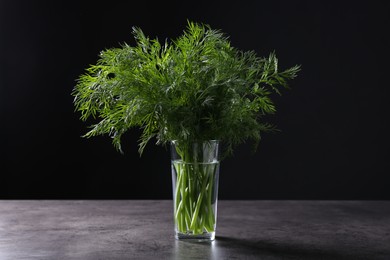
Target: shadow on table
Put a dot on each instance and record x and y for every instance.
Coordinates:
(186, 249)
(231, 247)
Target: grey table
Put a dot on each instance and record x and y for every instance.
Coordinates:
(128, 229)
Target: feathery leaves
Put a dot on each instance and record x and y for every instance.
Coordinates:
(194, 88)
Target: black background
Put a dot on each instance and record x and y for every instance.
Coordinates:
(334, 121)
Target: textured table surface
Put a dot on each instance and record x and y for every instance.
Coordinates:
(137, 229)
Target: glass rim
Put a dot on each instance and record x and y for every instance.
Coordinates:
(197, 142)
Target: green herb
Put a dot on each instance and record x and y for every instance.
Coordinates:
(194, 88)
(190, 90)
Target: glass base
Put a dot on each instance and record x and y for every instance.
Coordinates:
(205, 237)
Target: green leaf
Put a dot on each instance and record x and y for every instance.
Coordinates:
(196, 87)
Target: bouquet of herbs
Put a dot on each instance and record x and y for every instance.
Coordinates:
(191, 89)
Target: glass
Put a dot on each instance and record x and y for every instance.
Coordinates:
(195, 173)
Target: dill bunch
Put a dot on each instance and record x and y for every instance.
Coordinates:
(194, 88)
